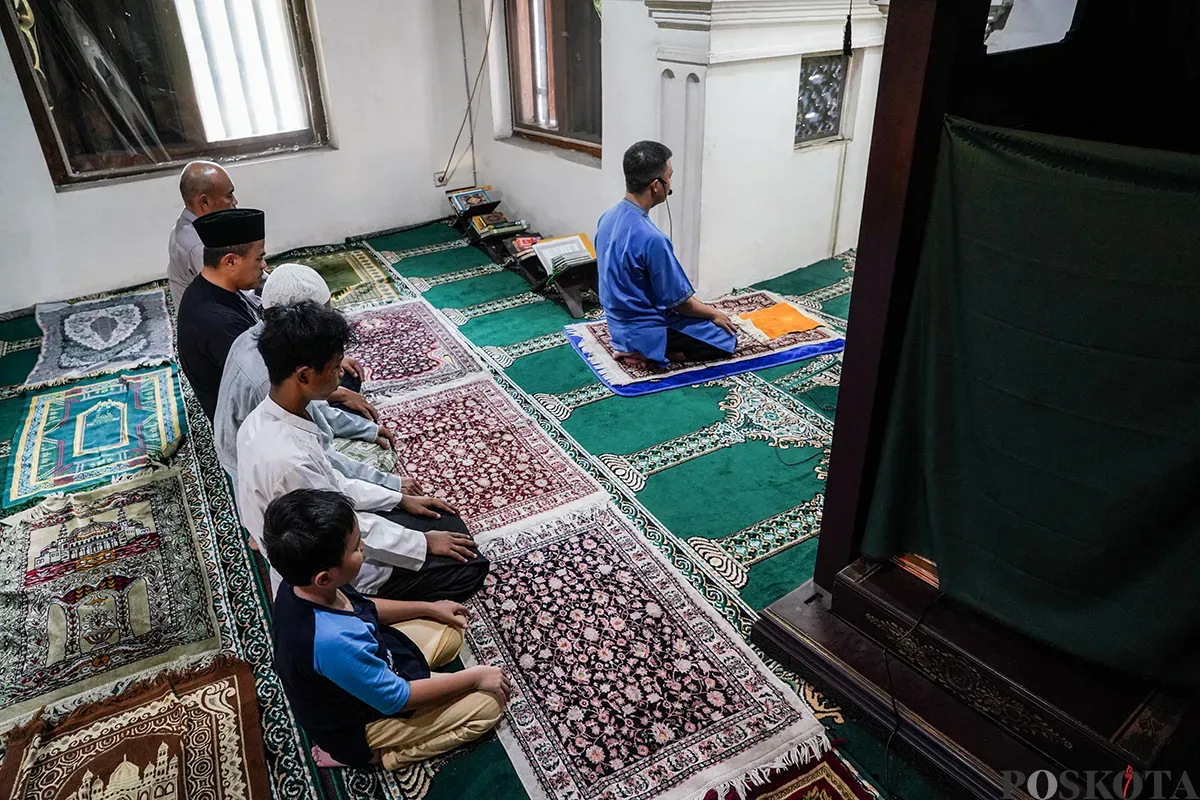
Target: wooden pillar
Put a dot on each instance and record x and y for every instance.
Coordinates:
(926, 41)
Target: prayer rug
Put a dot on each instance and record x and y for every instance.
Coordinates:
(188, 735)
(101, 336)
(98, 585)
(92, 432)
(472, 445)
(354, 278)
(626, 684)
(403, 346)
(592, 342)
(368, 453)
(828, 779)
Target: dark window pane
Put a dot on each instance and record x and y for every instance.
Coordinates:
(554, 67)
(128, 85)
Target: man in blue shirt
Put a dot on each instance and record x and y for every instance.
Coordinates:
(652, 313)
(356, 670)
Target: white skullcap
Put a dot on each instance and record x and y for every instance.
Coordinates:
(294, 283)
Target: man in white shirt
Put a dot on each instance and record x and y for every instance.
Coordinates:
(245, 384)
(206, 187)
(415, 548)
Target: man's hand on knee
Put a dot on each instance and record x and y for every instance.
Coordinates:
(425, 506)
(446, 543)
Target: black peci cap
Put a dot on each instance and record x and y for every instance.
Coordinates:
(232, 226)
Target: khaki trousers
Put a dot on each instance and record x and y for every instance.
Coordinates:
(433, 730)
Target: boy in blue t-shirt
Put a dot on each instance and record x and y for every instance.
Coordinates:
(361, 689)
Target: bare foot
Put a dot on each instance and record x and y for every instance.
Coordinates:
(676, 357)
(632, 359)
(323, 759)
(253, 544)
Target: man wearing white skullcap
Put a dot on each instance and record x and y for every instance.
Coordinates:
(244, 384)
(289, 284)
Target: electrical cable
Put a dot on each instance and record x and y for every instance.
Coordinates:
(887, 749)
(487, 38)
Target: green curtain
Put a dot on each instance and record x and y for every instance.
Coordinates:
(1043, 443)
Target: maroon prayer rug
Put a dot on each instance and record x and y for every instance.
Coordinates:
(626, 683)
(471, 445)
(403, 347)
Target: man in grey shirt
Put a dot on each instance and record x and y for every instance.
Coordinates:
(206, 187)
(244, 384)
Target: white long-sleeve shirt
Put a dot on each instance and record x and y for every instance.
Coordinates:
(278, 452)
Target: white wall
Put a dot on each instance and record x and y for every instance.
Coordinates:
(378, 56)
(557, 191)
(769, 207)
(747, 205)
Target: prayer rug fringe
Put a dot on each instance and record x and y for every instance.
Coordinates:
(56, 382)
(812, 749)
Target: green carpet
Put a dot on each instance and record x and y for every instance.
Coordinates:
(735, 467)
(744, 489)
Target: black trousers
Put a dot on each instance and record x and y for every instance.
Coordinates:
(692, 349)
(440, 577)
(353, 384)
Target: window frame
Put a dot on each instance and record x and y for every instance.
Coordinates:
(315, 137)
(558, 77)
(849, 100)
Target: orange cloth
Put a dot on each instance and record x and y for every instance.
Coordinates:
(780, 320)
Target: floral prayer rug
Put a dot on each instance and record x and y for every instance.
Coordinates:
(473, 446)
(188, 735)
(88, 433)
(354, 279)
(98, 585)
(403, 346)
(626, 683)
(101, 336)
(593, 343)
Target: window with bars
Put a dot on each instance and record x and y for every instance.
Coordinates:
(822, 94)
(130, 86)
(554, 70)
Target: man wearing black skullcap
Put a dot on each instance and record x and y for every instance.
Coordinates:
(213, 312)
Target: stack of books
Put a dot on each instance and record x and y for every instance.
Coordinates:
(563, 252)
(521, 247)
(472, 202)
(488, 226)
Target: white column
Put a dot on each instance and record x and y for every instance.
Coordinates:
(748, 204)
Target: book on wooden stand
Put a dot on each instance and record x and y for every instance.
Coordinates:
(570, 266)
(521, 247)
(495, 225)
(561, 253)
(472, 202)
